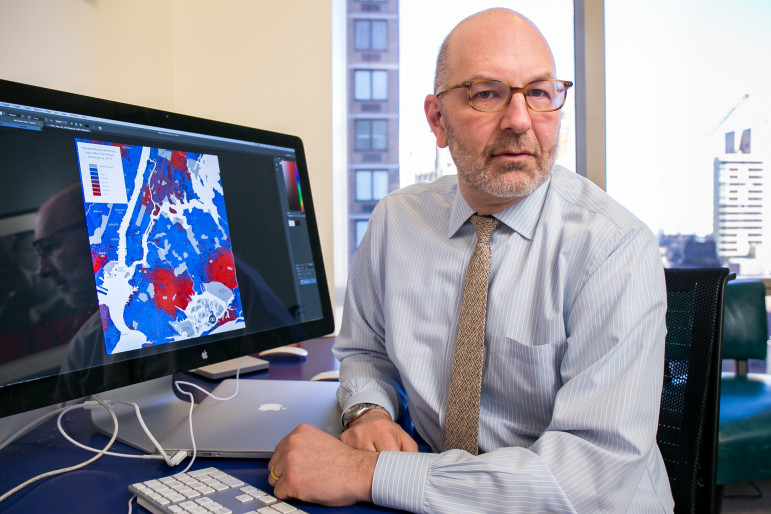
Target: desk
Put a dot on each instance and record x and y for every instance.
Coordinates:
(102, 487)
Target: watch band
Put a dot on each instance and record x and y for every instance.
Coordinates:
(357, 410)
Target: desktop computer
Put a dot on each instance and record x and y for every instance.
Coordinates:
(136, 243)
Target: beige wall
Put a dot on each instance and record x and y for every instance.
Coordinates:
(262, 63)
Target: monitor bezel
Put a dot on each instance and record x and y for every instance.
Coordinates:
(40, 392)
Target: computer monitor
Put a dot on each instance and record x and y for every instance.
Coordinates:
(136, 243)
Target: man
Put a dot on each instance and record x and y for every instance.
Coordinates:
(62, 243)
(575, 319)
(61, 240)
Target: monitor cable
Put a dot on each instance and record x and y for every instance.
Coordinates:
(170, 461)
(192, 404)
(62, 412)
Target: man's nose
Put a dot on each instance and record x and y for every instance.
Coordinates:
(44, 268)
(516, 115)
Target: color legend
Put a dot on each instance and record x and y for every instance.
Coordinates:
(96, 189)
(101, 172)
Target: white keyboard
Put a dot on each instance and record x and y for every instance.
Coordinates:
(204, 491)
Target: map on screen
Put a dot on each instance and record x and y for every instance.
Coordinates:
(160, 244)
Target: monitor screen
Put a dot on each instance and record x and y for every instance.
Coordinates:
(136, 243)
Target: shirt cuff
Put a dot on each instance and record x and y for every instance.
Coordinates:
(375, 397)
(400, 479)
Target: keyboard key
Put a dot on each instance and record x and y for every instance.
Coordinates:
(244, 498)
(268, 499)
(282, 507)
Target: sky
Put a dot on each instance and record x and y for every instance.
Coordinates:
(674, 69)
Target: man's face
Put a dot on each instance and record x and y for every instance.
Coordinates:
(501, 156)
(506, 165)
(64, 254)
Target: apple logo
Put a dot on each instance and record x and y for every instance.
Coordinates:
(204, 355)
(271, 407)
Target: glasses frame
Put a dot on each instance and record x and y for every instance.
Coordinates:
(512, 90)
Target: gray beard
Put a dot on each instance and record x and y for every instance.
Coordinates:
(475, 169)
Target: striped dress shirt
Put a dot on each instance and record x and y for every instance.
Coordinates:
(574, 350)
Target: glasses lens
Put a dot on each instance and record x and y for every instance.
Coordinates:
(546, 95)
(488, 95)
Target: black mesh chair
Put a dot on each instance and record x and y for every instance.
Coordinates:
(690, 400)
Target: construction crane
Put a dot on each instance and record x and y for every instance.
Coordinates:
(730, 112)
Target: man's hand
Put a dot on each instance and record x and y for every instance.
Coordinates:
(315, 467)
(375, 431)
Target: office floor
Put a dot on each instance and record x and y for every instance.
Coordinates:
(746, 504)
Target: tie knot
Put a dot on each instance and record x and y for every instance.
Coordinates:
(485, 226)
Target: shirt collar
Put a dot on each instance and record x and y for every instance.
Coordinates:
(521, 217)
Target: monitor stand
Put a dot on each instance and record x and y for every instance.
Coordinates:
(249, 425)
(161, 410)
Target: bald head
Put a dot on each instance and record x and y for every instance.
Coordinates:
(62, 210)
(473, 37)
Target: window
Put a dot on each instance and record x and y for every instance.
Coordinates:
(371, 185)
(361, 228)
(371, 135)
(371, 35)
(693, 163)
(370, 85)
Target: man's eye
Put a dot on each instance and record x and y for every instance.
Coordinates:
(538, 93)
(487, 94)
(45, 249)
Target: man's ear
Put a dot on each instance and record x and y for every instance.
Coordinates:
(434, 117)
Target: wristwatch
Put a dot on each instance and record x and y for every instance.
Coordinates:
(357, 410)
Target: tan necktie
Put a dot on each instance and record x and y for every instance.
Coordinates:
(461, 425)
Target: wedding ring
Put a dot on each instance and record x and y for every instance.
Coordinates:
(273, 474)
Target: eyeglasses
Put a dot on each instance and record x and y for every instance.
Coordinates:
(45, 246)
(491, 95)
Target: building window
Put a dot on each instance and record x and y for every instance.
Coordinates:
(370, 85)
(371, 185)
(371, 135)
(371, 35)
(361, 229)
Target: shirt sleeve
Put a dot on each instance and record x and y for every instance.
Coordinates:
(594, 456)
(367, 375)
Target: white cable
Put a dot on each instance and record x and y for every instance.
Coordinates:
(71, 468)
(162, 455)
(170, 461)
(112, 454)
(190, 424)
(30, 426)
(192, 405)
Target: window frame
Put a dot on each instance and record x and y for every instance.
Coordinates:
(370, 97)
(371, 135)
(374, 194)
(370, 36)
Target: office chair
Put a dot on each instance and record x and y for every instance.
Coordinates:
(690, 399)
(744, 439)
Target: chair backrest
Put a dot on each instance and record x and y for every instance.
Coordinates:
(745, 322)
(688, 418)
